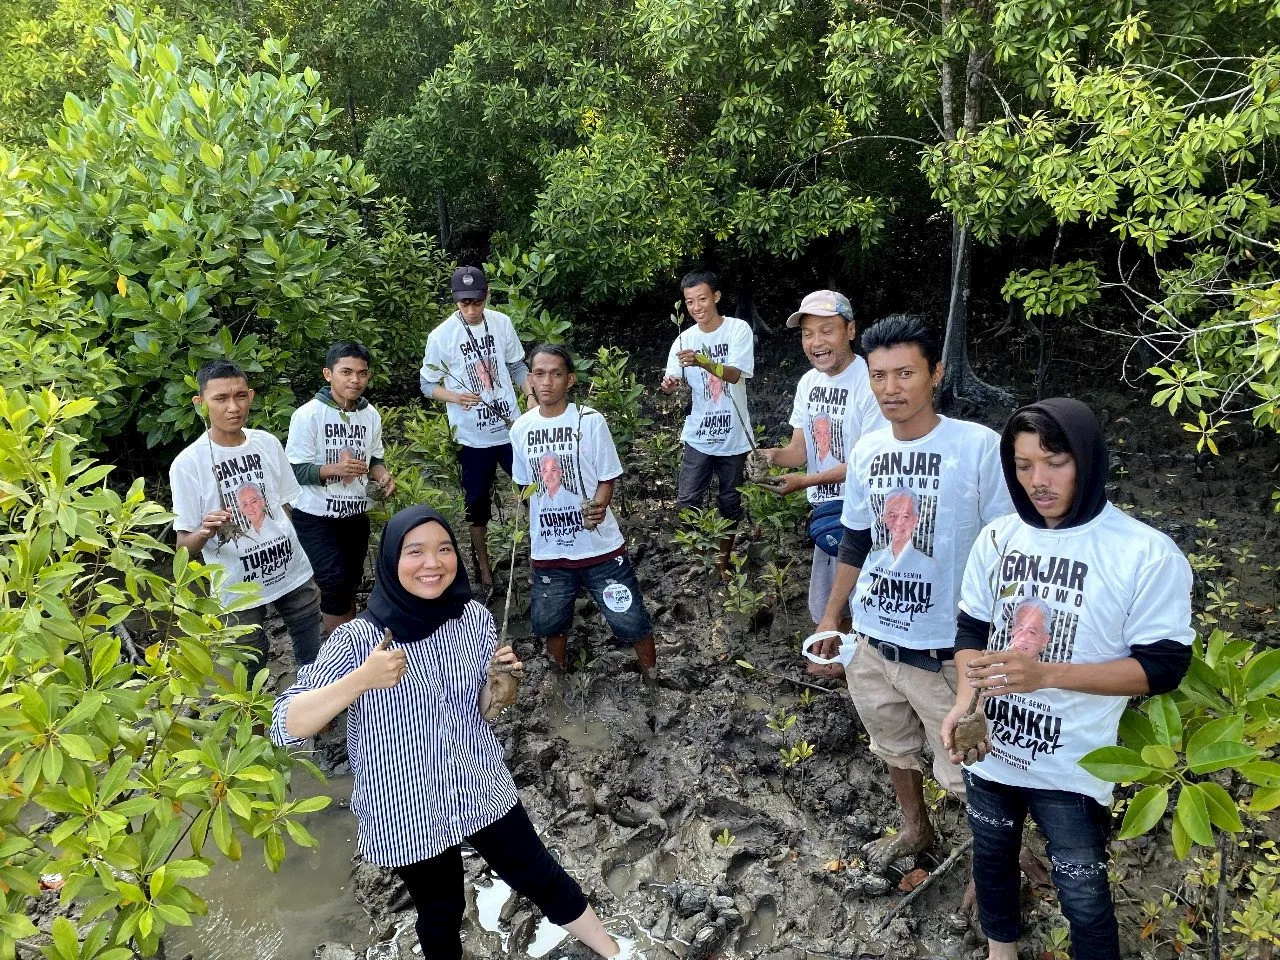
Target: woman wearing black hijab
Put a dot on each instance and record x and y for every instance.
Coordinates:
(415, 672)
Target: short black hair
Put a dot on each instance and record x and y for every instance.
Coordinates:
(903, 328)
(219, 370)
(695, 277)
(556, 350)
(346, 348)
(1052, 437)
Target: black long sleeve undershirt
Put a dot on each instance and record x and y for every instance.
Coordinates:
(1165, 662)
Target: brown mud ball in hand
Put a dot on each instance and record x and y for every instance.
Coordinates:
(757, 466)
(588, 522)
(376, 491)
(971, 730)
(504, 685)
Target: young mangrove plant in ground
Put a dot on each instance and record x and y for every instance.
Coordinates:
(127, 720)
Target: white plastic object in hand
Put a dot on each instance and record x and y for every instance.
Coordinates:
(848, 644)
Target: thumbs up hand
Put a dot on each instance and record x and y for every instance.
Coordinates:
(384, 667)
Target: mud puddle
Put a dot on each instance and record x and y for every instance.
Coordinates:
(257, 915)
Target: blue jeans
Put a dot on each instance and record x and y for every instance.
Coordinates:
(613, 586)
(1076, 828)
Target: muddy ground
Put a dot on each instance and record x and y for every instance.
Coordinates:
(631, 786)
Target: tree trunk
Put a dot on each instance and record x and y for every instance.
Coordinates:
(442, 217)
(960, 385)
(745, 305)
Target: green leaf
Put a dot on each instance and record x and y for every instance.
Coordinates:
(1165, 720)
(1223, 812)
(1181, 842)
(1193, 814)
(1116, 764)
(1265, 773)
(1159, 756)
(1264, 799)
(1225, 728)
(65, 939)
(1262, 675)
(1144, 812)
(1135, 729)
(1219, 756)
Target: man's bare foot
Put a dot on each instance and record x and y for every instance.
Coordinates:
(905, 843)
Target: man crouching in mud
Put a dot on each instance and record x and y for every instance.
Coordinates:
(916, 496)
(1067, 609)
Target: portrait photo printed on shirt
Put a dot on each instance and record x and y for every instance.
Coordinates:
(1040, 618)
(558, 507)
(265, 549)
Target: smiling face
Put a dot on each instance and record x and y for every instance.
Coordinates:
(1030, 632)
(252, 505)
(348, 380)
(702, 303)
(822, 436)
(900, 518)
(428, 561)
(1048, 478)
(826, 342)
(551, 473)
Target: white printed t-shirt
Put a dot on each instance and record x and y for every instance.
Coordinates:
(850, 410)
(713, 426)
(253, 477)
(555, 519)
(476, 359)
(1103, 588)
(955, 485)
(318, 434)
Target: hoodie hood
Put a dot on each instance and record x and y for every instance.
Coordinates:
(1084, 437)
(325, 396)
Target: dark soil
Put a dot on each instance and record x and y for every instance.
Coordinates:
(632, 785)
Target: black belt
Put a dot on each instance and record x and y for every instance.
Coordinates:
(931, 660)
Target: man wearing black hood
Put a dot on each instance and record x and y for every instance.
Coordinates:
(1117, 597)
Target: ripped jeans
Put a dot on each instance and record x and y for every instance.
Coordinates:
(1076, 828)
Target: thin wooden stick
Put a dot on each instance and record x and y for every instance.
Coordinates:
(938, 871)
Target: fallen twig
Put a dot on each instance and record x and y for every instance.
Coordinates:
(782, 676)
(938, 871)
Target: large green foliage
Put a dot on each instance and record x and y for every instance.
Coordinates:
(1156, 124)
(126, 718)
(193, 212)
(627, 137)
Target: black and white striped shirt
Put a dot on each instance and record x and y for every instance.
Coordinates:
(428, 769)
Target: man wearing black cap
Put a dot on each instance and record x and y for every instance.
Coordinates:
(1067, 609)
(473, 362)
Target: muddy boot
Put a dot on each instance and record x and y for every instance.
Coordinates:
(558, 651)
(647, 657)
(726, 551)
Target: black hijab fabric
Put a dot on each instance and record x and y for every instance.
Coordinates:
(391, 606)
(1084, 437)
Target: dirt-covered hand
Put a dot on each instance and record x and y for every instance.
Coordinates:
(213, 520)
(785, 484)
(593, 513)
(1008, 671)
(669, 384)
(955, 718)
(505, 661)
(384, 667)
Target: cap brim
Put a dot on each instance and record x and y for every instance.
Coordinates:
(794, 320)
(470, 294)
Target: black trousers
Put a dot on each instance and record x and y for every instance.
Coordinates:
(511, 846)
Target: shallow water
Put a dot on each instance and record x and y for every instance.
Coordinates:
(257, 915)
